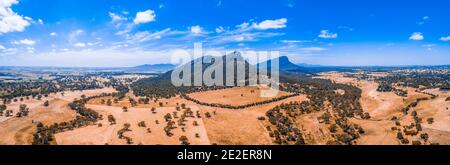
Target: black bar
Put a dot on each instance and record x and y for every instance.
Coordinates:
(169, 153)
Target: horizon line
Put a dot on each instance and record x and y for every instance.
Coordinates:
(298, 64)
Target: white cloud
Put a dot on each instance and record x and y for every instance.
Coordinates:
(245, 32)
(9, 20)
(30, 49)
(243, 25)
(346, 28)
(146, 36)
(128, 27)
(196, 29)
(145, 17)
(40, 21)
(445, 38)
(2, 47)
(327, 34)
(53, 34)
(313, 49)
(8, 51)
(8, 2)
(293, 41)
(77, 32)
(79, 44)
(73, 35)
(429, 46)
(220, 29)
(424, 19)
(416, 36)
(24, 42)
(116, 17)
(271, 24)
(240, 38)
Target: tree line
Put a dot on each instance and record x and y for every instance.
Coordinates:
(44, 134)
(187, 97)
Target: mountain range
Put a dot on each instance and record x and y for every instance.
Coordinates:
(153, 67)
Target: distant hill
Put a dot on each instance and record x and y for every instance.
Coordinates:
(308, 65)
(154, 67)
(235, 56)
(288, 70)
(284, 64)
(162, 86)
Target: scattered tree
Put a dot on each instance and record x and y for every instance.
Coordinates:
(399, 135)
(184, 140)
(208, 115)
(424, 136)
(430, 120)
(416, 142)
(111, 119)
(168, 117)
(142, 124)
(46, 103)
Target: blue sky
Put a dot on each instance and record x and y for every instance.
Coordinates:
(127, 33)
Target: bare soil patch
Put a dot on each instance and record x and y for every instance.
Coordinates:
(235, 96)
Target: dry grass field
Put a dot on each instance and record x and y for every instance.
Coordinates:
(225, 126)
(107, 133)
(235, 96)
(382, 106)
(16, 130)
(241, 126)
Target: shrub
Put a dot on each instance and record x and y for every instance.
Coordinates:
(142, 124)
(416, 142)
(208, 115)
(111, 119)
(184, 140)
(46, 103)
(405, 141)
(430, 120)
